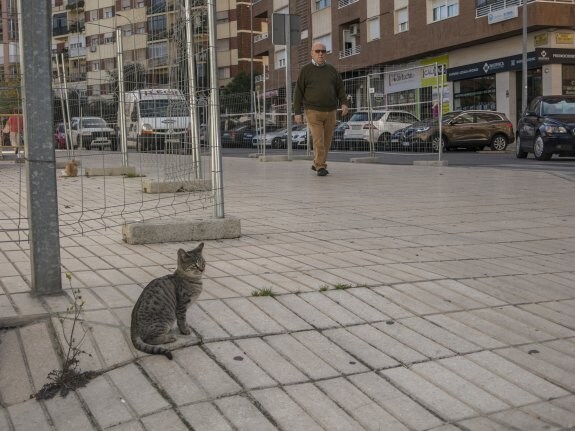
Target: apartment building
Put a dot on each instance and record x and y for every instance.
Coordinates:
(9, 55)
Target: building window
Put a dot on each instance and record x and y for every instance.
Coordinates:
(280, 58)
(224, 72)
(95, 66)
(93, 15)
(140, 27)
(402, 20)
(157, 27)
(373, 29)
(127, 30)
(158, 54)
(125, 4)
(108, 13)
(322, 4)
(222, 16)
(108, 38)
(157, 6)
(95, 90)
(443, 9)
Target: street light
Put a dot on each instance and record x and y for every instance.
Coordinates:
(524, 59)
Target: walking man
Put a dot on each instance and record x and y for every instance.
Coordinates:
(318, 90)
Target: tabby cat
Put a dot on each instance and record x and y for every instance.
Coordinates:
(164, 301)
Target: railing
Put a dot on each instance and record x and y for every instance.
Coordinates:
(260, 78)
(261, 36)
(349, 52)
(502, 4)
(344, 3)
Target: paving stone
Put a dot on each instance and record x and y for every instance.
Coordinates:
(427, 296)
(300, 356)
(365, 411)
(166, 420)
(205, 417)
(230, 321)
(28, 416)
(67, 413)
(281, 314)
(271, 361)
(381, 303)
(372, 357)
(413, 339)
(243, 414)
(41, 358)
(356, 306)
(240, 365)
(330, 352)
(323, 410)
(171, 378)
(285, 411)
(111, 344)
(483, 324)
(456, 385)
(307, 312)
(15, 385)
(502, 316)
(497, 376)
(545, 352)
(105, 403)
(460, 287)
(538, 323)
(440, 335)
(402, 407)
(387, 344)
(113, 297)
(206, 372)
(259, 320)
(483, 423)
(552, 312)
(411, 304)
(464, 331)
(553, 414)
(137, 390)
(437, 400)
(331, 309)
(520, 420)
(204, 325)
(517, 374)
(128, 426)
(4, 424)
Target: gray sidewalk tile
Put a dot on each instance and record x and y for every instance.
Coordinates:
(137, 390)
(306, 281)
(224, 287)
(28, 416)
(364, 410)
(302, 357)
(204, 325)
(307, 312)
(41, 357)
(128, 426)
(6, 307)
(380, 302)
(357, 275)
(537, 322)
(523, 421)
(494, 380)
(552, 414)
(484, 423)
(67, 413)
(285, 283)
(326, 278)
(4, 424)
(355, 305)
(271, 361)
(552, 311)
(516, 373)
(321, 408)
(460, 287)
(259, 320)
(230, 321)
(465, 331)
(405, 301)
(205, 417)
(281, 314)
(240, 365)
(206, 372)
(566, 349)
(445, 405)
(506, 317)
(104, 403)
(166, 420)
(368, 354)
(483, 324)
(243, 414)
(259, 282)
(331, 309)
(442, 293)
(113, 296)
(14, 284)
(330, 352)
(288, 415)
(15, 385)
(428, 296)
(401, 406)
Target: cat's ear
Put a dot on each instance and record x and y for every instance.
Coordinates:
(181, 254)
(199, 248)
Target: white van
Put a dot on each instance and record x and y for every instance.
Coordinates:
(156, 118)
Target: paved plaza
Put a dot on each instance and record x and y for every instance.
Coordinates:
(405, 298)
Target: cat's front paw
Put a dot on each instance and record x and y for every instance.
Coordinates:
(186, 330)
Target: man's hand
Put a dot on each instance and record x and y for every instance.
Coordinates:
(344, 110)
(298, 119)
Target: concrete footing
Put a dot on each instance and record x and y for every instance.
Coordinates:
(180, 229)
(153, 186)
(366, 160)
(430, 163)
(110, 172)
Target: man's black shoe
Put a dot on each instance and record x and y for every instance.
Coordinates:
(313, 168)
(322, 172)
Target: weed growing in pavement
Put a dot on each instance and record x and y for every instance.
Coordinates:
(70, 377)
(342, 286)
(267, 291)
(323, 288)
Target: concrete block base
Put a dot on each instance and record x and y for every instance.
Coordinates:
(110, 172)
(61, 164)
(180, 229)
(430, 163)
(274, 158)
(153, 186)
(366, 160)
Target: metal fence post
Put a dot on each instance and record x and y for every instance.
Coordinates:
(35, 62)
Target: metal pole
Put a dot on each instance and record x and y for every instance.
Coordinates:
(194, 121)
(524, 59)
(217, 179)
(370, 114)
(121, 97)
(288, 85)
(252, 52)
(36, 65)
(62, 104)
(67, 99)
(440, 108)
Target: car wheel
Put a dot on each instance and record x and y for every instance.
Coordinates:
(539, 149)
(499, 143)
(383, 142)
(436, 142)
(519, 153)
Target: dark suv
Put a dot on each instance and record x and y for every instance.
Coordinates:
(547, 127)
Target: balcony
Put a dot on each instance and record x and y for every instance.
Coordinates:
(485, 9)
(261, 36)
(344, 3)
(349, 52)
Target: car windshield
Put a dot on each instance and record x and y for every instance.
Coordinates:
(163, 108)
(558, 107)
(93, 122)
(364, 116)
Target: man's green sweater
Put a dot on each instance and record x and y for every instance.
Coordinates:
(318, 88)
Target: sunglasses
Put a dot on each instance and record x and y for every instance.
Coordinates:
(317, 51)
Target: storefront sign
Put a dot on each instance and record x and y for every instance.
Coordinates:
(490, 67)
(559, 56)
(502, 15)
(541, 39)
(564, 38)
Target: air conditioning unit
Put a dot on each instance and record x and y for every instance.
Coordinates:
(93, 48)
(354, 30)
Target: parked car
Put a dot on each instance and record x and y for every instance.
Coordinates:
(92, 132)
(60, 137)
(379, 127)
(473, 129)
(274, 138)
(547, 127)
(298, 137)
(338, 142)
(240, 136)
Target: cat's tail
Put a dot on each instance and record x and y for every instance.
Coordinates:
(149, 348)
